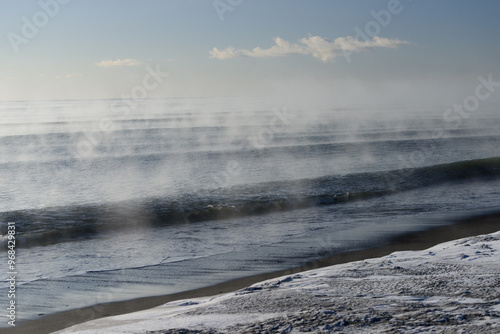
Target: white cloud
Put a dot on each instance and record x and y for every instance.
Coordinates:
(119, 62)
(67, 76)
(73, 75)
(227, 53)
(316, 46)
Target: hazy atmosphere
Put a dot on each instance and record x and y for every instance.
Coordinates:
(249, 166)
(348, 51)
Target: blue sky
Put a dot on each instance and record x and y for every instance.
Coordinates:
(100, 48)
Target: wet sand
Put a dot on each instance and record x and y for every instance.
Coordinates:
(471, 226)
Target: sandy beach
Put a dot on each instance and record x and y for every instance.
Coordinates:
(467, 227)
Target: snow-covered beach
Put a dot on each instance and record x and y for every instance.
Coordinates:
(250, 167)
(451, 287)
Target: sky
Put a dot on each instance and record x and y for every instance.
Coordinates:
(346, 49)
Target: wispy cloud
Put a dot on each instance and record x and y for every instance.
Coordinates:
(119, 62)
(67, 76)
(316, 46)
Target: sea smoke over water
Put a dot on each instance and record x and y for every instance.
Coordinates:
(177, 180)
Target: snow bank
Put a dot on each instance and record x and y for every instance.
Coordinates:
(450, 288)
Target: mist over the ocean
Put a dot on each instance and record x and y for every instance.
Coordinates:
(221, 188)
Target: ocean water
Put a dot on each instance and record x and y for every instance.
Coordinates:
(113, 201)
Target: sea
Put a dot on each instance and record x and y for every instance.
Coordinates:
(118, 199)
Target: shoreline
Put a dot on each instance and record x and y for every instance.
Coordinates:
(465, 227)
